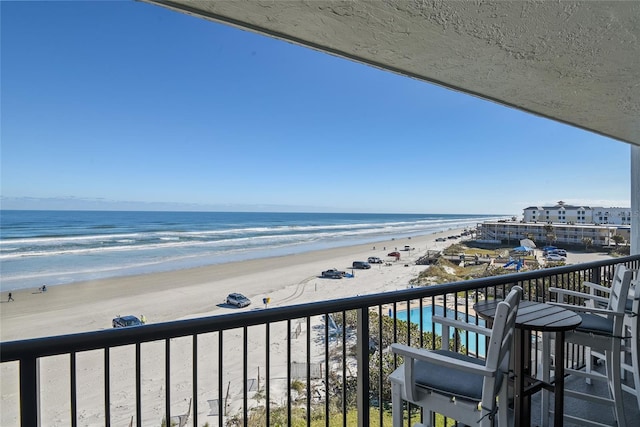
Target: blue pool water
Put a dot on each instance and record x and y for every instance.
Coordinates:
(470, 340)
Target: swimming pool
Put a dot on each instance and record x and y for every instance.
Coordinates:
(471, 342)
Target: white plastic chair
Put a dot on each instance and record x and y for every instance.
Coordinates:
(458, 386)
(632, 328)
(602, 330)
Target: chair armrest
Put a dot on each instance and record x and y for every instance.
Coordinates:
(447, 321)
(413, 353)
(568, 292)
(597, 287)
(583, 309)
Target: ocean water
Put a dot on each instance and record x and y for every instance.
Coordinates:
(58, 247)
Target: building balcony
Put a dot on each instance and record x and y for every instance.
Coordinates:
(325, 363)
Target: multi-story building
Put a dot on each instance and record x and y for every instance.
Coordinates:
(562, 224)
(573, 234)
(571, 214)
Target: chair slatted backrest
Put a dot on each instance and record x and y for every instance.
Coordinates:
(502, 336)
(618, 297)
(621, 273)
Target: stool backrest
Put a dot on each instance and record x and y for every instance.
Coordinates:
(503, 330)
(620, 288)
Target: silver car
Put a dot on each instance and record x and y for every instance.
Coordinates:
(238, 300)
(555, 257)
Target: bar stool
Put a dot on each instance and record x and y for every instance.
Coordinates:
(631, 346)
(602, 330)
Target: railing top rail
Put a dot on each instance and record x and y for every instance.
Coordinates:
(49, 346)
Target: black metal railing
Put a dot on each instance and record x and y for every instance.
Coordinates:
(323, 362)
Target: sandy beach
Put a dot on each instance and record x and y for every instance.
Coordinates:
(182, 294)
(198, 292)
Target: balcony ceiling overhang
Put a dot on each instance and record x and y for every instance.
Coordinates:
(577, 62)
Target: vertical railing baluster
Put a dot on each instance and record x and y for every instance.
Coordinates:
(107, 387)
(362, 356)
(308, 370)
(267, 374)
(138, 388)
(395, 332)
(327, 384)
(222, 403)
(380, 367)
(29, 391)
(289, 371)
(194, 390)
(466, 319)
(596, 276)
(245, 376)
(74, 390)
(421, 322)
(344, 368)
(408, 302)
(167, 380)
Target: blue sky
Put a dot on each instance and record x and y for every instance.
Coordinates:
(126, 105)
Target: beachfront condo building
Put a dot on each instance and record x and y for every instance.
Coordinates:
(563, 213)
(562, 224)
(567, 234)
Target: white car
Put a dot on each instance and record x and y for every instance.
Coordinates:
(238, 300)
(555, 257)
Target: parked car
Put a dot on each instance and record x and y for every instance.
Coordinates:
(556, 251)
(394, 254)
(361, 265)
(333, 273)
(555, 257)
(441, 239)
(126, 321)
(238, 300)
(374, 260)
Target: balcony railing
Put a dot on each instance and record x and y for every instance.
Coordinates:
(320, 363)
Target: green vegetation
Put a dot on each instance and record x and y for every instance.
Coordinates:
(298, 386)
(278, 417)
(444, 271)
(618, 239)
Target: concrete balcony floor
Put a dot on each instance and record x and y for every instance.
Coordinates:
(589, 410)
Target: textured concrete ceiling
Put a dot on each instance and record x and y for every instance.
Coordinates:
(577, 62)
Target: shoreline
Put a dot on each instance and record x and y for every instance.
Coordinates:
(99, 245)
(200, 291)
